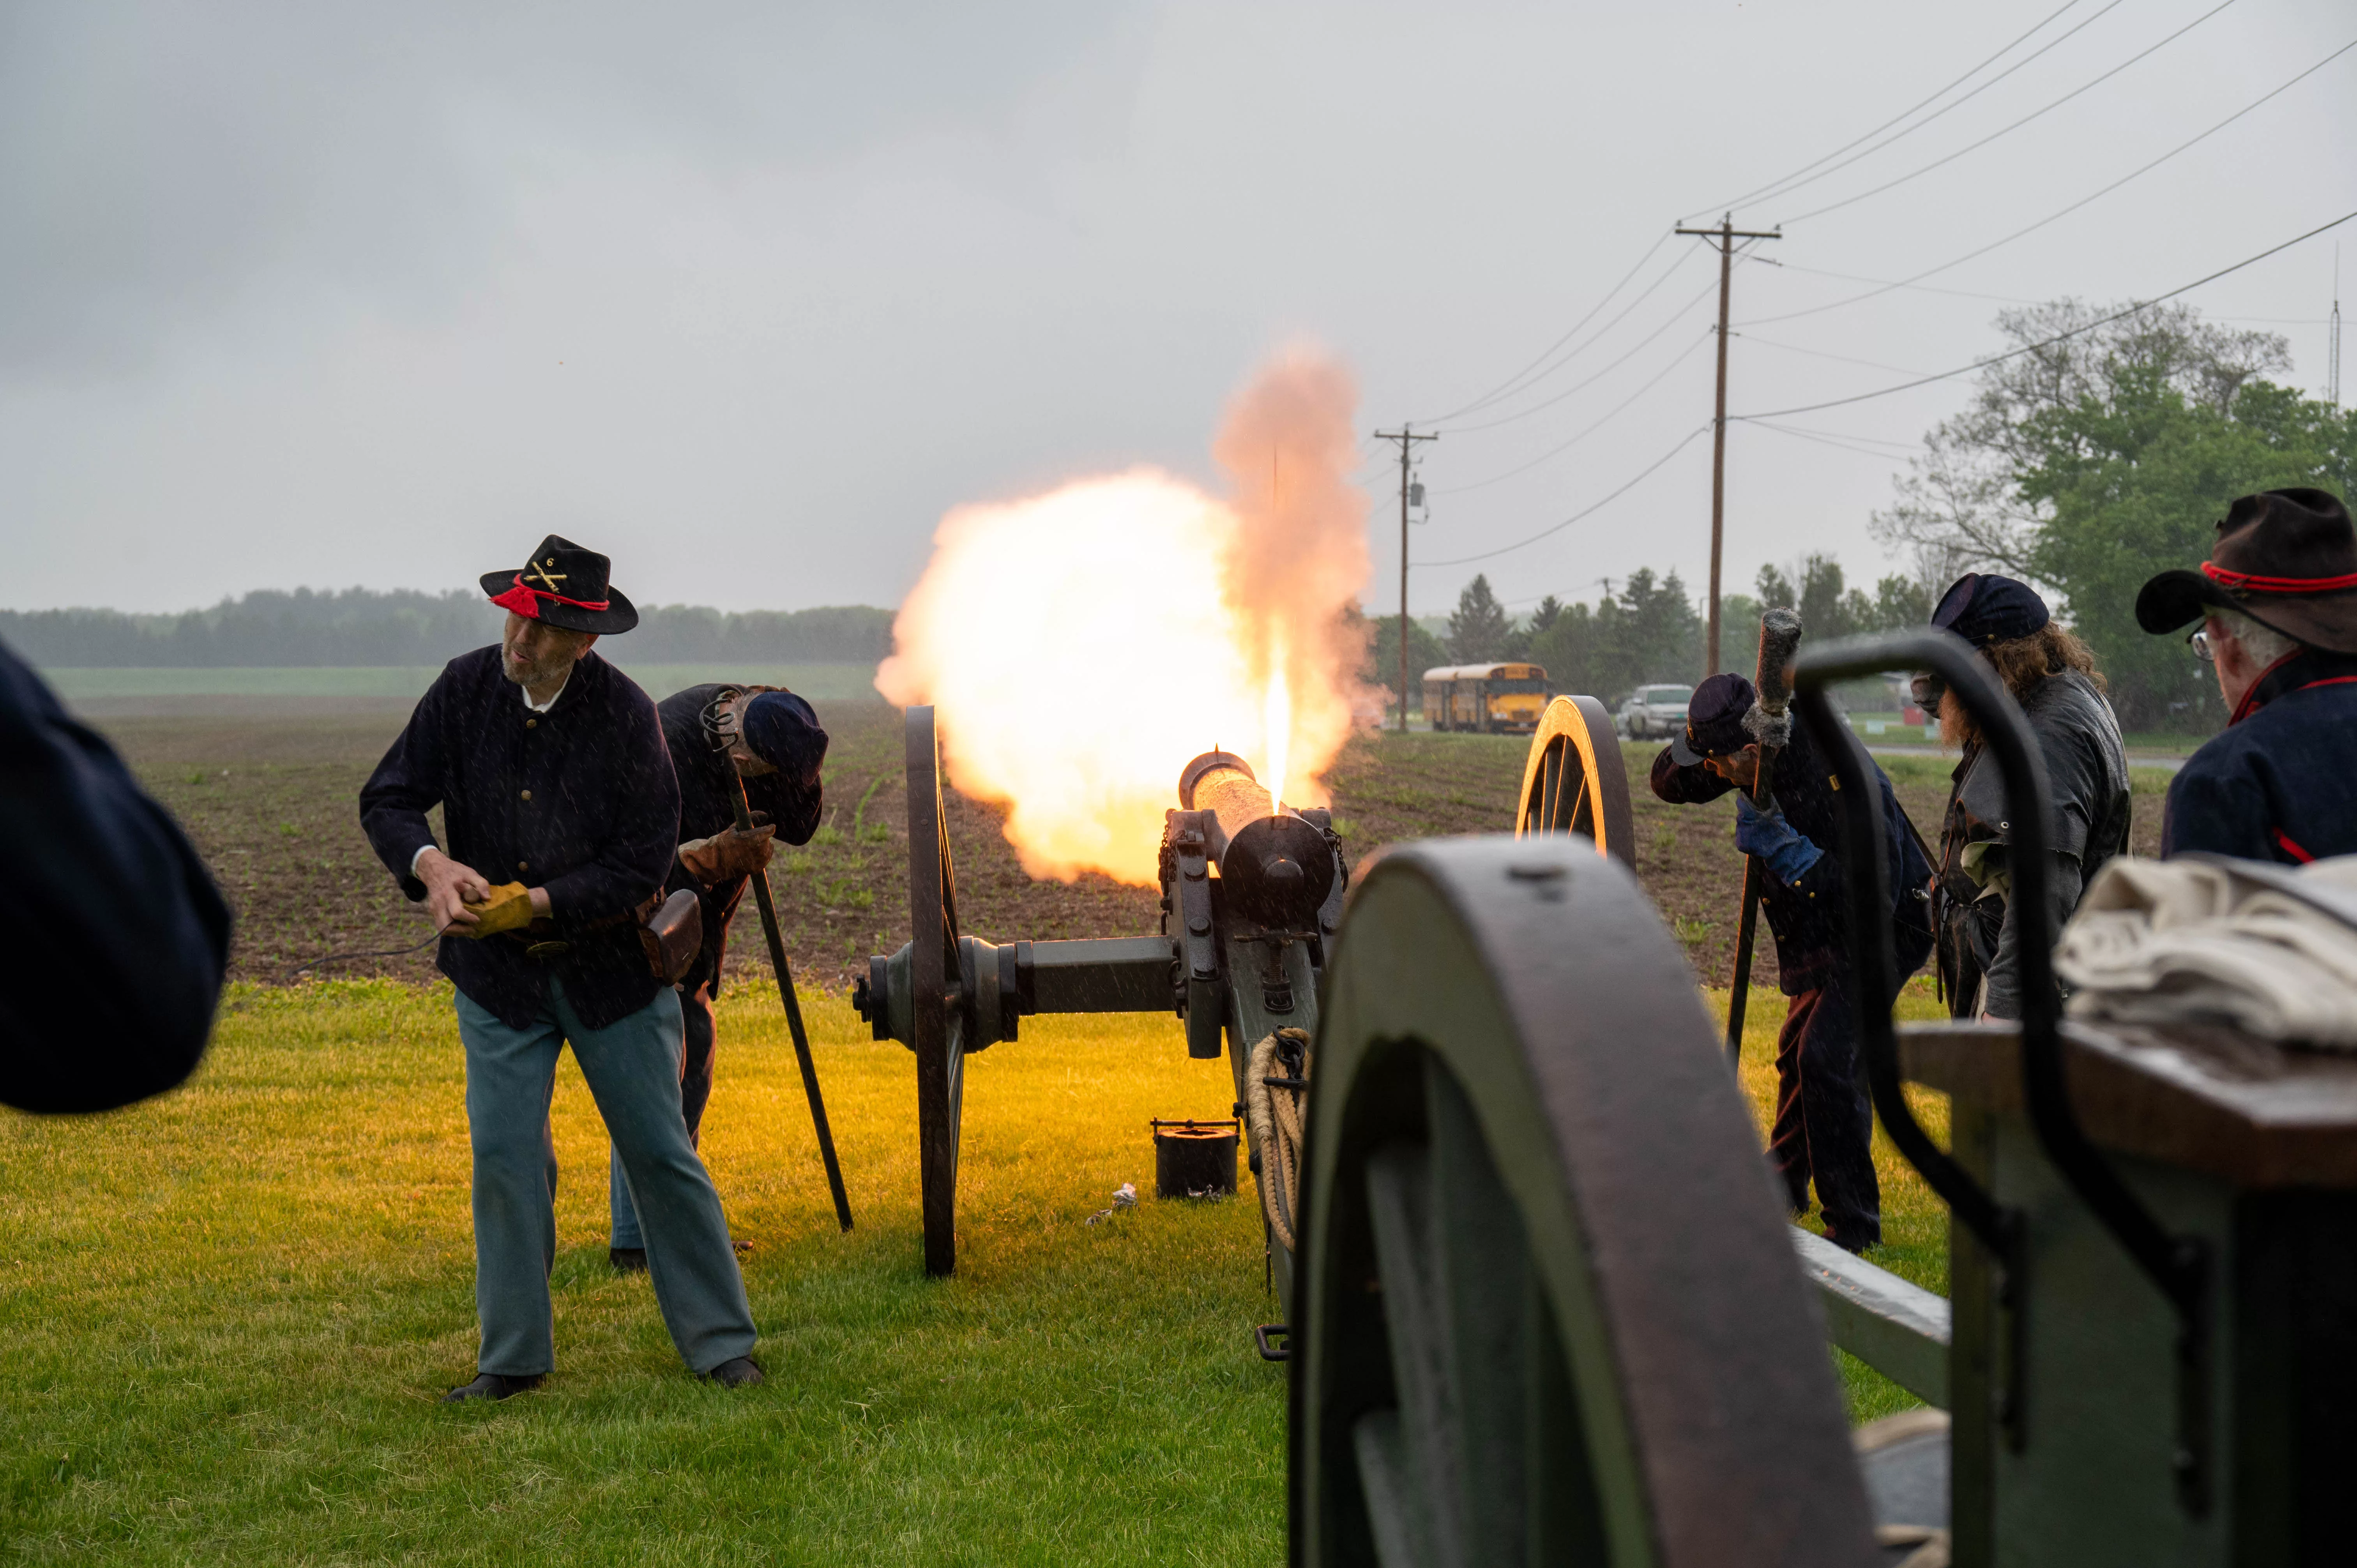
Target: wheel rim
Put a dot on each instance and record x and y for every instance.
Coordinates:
(1574, 781)
(1585, 1338)
(933, 958)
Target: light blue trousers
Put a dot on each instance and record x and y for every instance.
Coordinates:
(632, 1070)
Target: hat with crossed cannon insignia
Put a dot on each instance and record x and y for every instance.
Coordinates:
(565, 586)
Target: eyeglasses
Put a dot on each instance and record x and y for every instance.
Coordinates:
(2199, 641)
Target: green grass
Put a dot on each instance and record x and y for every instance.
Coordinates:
(230, 1311)
(826, 683)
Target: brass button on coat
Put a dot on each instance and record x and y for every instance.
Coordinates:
(527, 794)
(532, 723)
(523, 865)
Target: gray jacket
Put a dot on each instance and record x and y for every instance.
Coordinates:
(2087, 768)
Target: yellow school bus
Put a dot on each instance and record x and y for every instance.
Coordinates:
(1495, 699)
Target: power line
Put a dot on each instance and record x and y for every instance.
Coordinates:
(2016, 125)
(1842, 436)
(2058, 337)
(1824, 440)
(1645, 474)
(1821, 354)
(1508, 385)
(1682, 358)
(1636, 349)
(1594, 338)
(2052, 217)
(1772, 187)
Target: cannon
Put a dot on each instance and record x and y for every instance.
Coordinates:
(1547, 1308)
(1252, 893)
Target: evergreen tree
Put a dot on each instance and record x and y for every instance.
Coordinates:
(1477, 631)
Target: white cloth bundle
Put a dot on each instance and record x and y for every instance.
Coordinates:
(2269, 949)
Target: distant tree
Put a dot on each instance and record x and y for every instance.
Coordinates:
(1550, 608)
(1381, 668)
(1901, 603)
(1477, 631)
(1775, 590)
(2086, 465)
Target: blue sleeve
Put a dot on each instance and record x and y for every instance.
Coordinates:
(113, 939)
(412, 779)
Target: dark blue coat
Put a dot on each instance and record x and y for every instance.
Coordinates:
(580, 801)
(112, 938)
(2280, 782)
(1807, 917)
(707, 795)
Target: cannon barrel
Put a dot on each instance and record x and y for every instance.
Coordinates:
(1251, 892)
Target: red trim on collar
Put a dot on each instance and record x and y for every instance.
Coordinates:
(2284, 843)
(525, 601)
(2252, 583)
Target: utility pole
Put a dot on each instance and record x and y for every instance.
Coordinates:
(1407, 441)
(2332, 351)
(1726, 233)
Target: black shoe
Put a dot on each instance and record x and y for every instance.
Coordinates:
(491, 1386)
(628, 1260)
(744, 1372)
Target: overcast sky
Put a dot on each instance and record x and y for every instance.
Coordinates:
(746, 298)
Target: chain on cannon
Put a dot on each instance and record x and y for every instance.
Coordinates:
(1251, 892)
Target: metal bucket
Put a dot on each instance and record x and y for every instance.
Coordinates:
(1194, 1159)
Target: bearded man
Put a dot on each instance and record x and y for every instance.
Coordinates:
(2277, 603)
(2053, 676)
(550, 769)
(761, 745)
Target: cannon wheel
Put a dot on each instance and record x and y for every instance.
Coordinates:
(1548, 1309)
(932, 960)
(1574, 781)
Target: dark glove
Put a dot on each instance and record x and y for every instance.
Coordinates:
(727, 854)
(1778, 845)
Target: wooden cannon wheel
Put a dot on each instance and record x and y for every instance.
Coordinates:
(1575, 782)
(936, 1032)
(1547, 1308)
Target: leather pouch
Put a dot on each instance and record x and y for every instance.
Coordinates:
(673, 935)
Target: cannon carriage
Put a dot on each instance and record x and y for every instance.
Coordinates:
(1544, 1306)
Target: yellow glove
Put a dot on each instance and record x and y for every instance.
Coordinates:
(508, 908)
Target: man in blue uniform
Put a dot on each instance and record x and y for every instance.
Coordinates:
(1824, 1122)
(550, 768)
(2277, 603)
(768, 743)
(113, 936)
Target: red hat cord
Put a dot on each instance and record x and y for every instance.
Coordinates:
(525, 600)
(2253, 583)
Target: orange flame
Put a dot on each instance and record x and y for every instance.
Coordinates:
(1082, 645)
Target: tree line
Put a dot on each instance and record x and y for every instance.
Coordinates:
(1650, 630)
(363, 626)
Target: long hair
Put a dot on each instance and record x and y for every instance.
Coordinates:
(2023, 664)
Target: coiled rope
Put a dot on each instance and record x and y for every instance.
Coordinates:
(1272, 1111)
